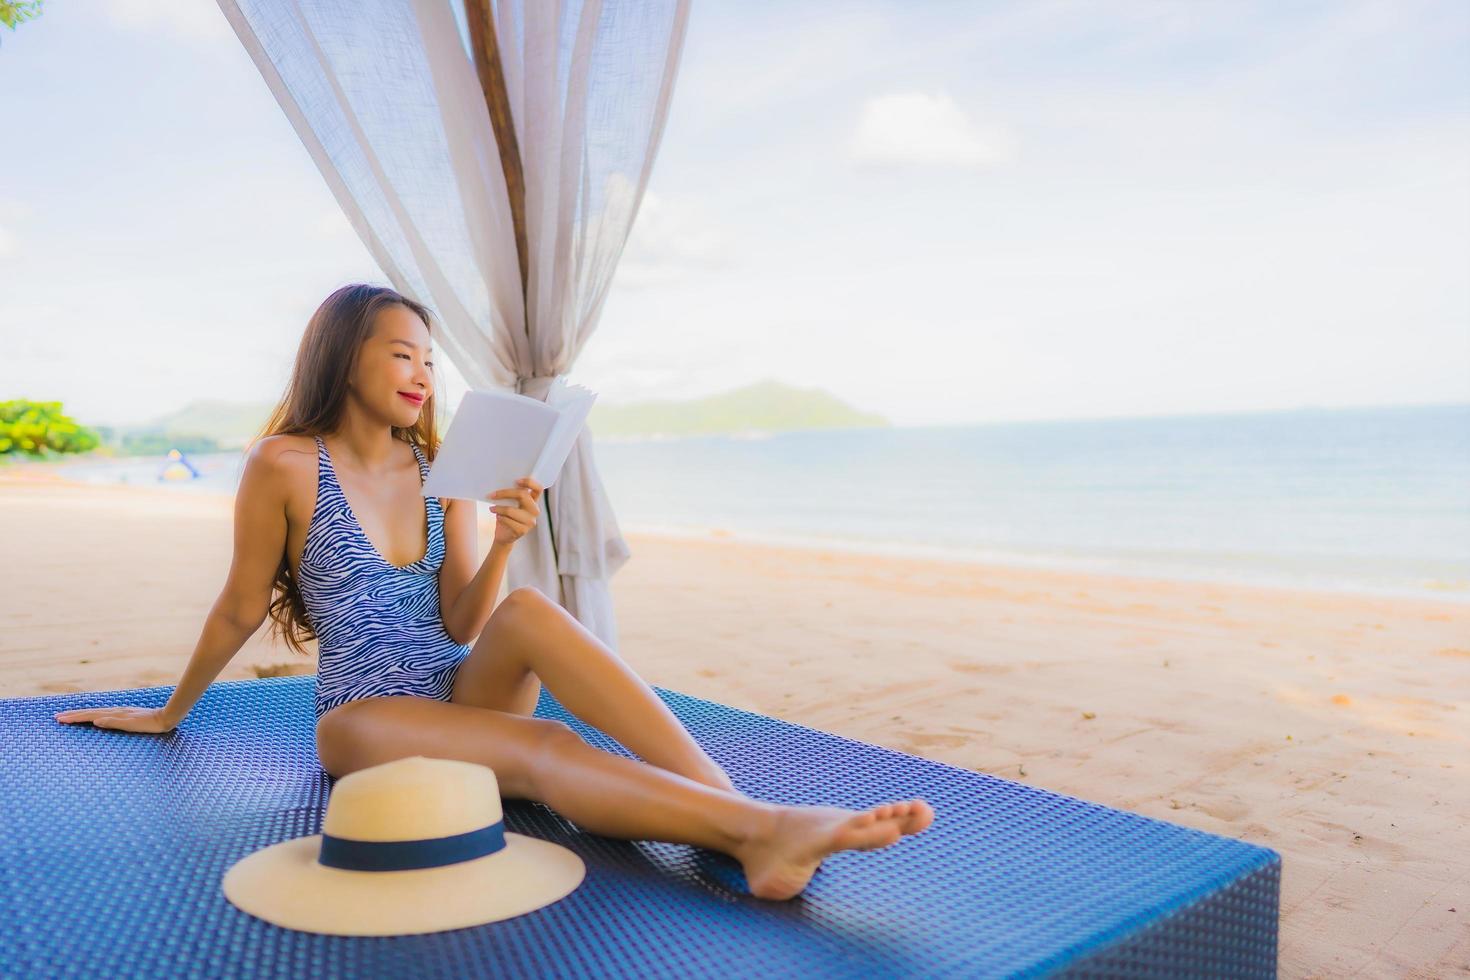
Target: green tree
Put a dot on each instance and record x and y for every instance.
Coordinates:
(34, 428)
(12, 12)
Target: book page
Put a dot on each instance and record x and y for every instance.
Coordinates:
(495, 438)
(573, 403)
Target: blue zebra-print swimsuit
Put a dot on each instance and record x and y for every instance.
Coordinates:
(378, 625)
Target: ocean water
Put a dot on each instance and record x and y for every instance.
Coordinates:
(1364, 500)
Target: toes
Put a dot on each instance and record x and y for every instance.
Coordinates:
(921, 817)
(890, 834)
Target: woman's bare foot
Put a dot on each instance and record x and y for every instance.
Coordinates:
(783, 852)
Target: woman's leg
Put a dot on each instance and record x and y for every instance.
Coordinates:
(779, 846)
(530, 639)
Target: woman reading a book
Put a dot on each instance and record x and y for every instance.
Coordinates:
(335, 541)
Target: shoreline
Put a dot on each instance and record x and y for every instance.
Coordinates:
(30, 472)
(1001, 559)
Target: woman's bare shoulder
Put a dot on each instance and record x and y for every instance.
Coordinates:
(284, 449)
(289, 459)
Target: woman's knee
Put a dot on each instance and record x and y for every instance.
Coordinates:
(335, 743)
(526, 595)
(523, 601)
(555, 737)
(554, 742)
(522, 611)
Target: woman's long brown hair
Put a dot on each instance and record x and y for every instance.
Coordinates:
(313, 404)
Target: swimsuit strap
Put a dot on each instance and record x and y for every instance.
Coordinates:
(423, 463)
(326, 473)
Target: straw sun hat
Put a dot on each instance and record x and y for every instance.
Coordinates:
(409, 846)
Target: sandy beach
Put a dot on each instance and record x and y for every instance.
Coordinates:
(1332, 727)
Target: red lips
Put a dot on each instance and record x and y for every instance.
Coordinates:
(416, 399)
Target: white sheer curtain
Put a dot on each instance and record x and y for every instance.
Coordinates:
(386, 98)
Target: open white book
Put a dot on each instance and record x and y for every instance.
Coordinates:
(496, 437)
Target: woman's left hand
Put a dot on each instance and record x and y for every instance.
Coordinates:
(514, 520)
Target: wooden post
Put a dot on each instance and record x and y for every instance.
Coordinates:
(489, 69)
(497, 100)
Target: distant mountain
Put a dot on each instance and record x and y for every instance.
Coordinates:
(229, 423)
(200, 426)
(767, 406)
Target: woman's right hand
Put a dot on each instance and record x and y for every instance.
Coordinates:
(126, 718)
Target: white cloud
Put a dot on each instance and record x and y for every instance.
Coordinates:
(671, 238)
(918, 128)
(192, 20)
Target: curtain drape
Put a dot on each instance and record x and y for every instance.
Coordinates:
(386, 97)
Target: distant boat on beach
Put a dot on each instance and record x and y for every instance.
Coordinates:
(178, 467)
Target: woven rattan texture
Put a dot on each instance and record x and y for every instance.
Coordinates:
(113, 844)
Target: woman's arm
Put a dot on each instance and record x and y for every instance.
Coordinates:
(243, 604)
(466, 596)
(470, 609)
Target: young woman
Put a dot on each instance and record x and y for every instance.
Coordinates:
(414, 656)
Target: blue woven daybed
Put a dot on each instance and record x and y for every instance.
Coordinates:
(113, 844)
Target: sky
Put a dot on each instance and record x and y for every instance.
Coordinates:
(942, 212)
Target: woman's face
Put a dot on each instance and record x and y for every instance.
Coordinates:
(395, 362)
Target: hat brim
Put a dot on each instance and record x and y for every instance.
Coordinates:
(285, 884)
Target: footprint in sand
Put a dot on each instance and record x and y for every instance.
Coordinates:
(925, 740)
(971, 667)
(1229, 810)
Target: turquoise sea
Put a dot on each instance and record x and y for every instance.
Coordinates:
(1375, 500)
